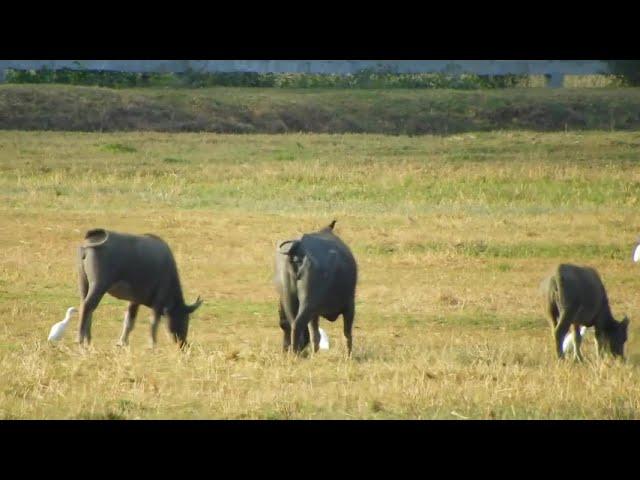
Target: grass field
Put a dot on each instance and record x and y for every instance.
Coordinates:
(453, 235)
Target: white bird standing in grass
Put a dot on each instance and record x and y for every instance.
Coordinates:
(324, 340)
(636, 253)
(567, 344)
(57, 331)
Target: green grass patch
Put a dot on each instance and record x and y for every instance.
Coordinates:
(174, 160)
(484, 249)
(119, 148)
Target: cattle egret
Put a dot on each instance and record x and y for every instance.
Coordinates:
(324, 340)
(636, 253)
(57, 331)
(568, 339)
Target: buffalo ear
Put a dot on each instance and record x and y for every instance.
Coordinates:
(329, 228)
(192, 308)
(288, 247)
(625, 321)
(95, 237)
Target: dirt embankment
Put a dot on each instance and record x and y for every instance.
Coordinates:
(253, 110)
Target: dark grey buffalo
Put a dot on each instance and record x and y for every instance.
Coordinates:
(137, 268)
(575, 296)
(315, 277)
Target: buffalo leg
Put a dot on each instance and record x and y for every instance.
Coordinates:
(348, 317)
(286, 329)
(83, 284)
(155, 323)
(561, 330)
(553, 313)
(301, 331)
(577, 341)
(601, 343)
(129, 323)
(315, 330)
(89, 304)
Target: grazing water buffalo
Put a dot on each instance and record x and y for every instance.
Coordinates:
(315, 277)
(140, 269)
(574, 297)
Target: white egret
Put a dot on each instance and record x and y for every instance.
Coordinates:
(324, 340)
(636, 253)
(568, 339)
(57, 331)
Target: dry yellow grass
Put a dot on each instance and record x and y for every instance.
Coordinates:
(452, 234)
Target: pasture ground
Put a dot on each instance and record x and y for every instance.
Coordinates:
(453, 235)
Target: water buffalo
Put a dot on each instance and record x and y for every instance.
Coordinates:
(137, 268)
(574, 297)
(315, 277)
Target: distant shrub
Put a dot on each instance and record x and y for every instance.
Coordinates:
(79, 77)
(627, 70)
(364, 79)
(191, 79)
